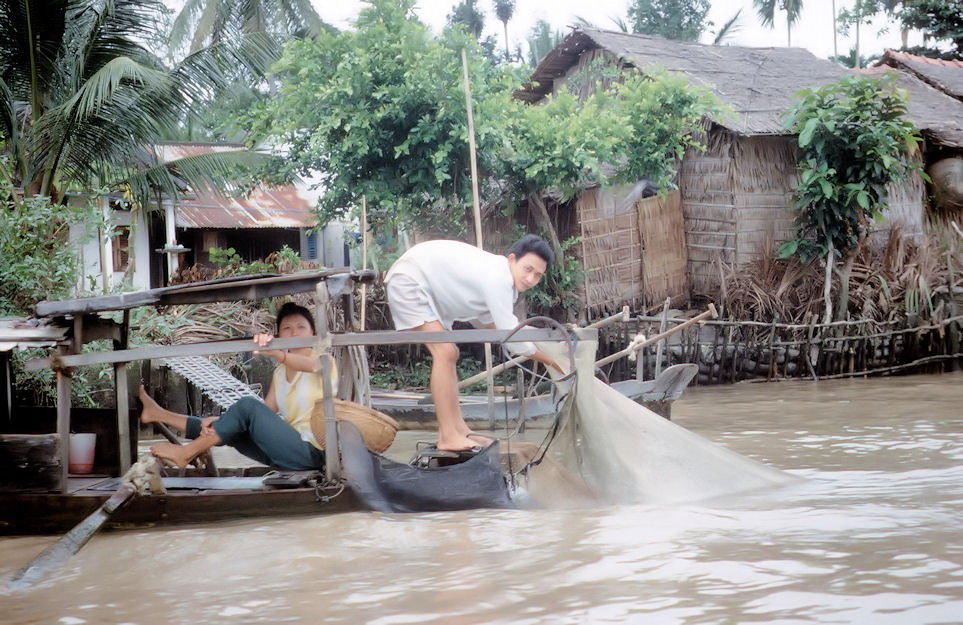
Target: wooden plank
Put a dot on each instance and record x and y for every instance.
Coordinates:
(385, 337)
(48, 512)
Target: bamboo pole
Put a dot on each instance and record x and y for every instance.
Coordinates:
(364, 258)
(682, 326)
(476, 209)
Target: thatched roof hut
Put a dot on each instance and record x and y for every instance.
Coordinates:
(944, 75)
(736, 197)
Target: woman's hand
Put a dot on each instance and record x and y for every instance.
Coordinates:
(207, 426)
(263, 340)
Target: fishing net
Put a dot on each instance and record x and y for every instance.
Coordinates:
(607, 448)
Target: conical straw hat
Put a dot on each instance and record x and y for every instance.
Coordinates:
(377, 429)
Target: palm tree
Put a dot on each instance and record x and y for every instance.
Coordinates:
(766, 9)
(541, 40)
(213, 21)
(504, 10)
(853, 59)
(82, 98)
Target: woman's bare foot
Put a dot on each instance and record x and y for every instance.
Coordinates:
(178, 454)
(151, 410)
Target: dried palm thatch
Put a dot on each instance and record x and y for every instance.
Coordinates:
(894, 282)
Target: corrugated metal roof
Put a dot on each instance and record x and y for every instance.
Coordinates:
(276, 207)
(758, 84)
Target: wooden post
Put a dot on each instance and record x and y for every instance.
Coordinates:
(121, 396)
(63, 422)
(658, 348)
(332, 446)
(520, 392)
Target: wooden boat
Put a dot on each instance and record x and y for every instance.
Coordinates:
(414, 411)
(38, 495)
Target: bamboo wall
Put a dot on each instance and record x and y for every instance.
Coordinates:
(611, 252)
(737, 199)
(633, 250)
(708, 205)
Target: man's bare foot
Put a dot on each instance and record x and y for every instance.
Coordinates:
(478, 439)
(152, 410)
(456, 443)
(178, 454)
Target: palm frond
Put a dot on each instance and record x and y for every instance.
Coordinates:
(118, 73)
(731, 27)
(766, 10)
(183, 27)
(222, 172)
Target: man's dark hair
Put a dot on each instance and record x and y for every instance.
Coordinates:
(290, 308)
(534, 244)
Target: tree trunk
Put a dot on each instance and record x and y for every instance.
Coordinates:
(541, 216)
(842, 301)
(859, 17)
(835, 48)
(508, 55)
(828, 285)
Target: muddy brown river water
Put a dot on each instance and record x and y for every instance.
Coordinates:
(874, 534)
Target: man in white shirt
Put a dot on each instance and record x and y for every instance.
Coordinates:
(436, 283)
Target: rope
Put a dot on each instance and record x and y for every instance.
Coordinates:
(634, 346)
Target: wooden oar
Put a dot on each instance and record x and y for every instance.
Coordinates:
(631, 349)
(143, 472)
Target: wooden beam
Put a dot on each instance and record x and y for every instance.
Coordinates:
(385, 337)
(226, 289)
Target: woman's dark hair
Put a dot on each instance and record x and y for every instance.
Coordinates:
(532, 244)
(290, 308)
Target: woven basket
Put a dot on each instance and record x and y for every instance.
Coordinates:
(377, 429)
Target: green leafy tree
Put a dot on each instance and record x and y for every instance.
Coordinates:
(766, 10)
(854, 140)
(36, 262)
(940, 21)
(684, 20)
(379, 111)
(82, 97)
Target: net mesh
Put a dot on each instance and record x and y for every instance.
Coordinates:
(607, 448)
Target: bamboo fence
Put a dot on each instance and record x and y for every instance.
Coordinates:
(735, 351)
